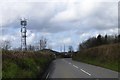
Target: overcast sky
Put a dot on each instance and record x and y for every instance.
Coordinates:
(68, 22)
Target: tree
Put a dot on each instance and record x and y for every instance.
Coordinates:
(91, 42)
(119, 38)
(6, 45)
(116, 39)
(31, 48)
(1, 44)
(106, 39)
(43, 43)
(70, 49)
(99, 40)
(36, 47)
(80, 47)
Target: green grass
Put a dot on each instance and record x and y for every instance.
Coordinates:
(24, 64)
(10, 70)
(108, 65)
(106, 56)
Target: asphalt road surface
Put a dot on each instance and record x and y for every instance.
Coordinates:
(67, 68)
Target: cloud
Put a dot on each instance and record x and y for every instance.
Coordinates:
(65, 21)
(59, 18)
(31, 38)
(66, 41)
(12, 11)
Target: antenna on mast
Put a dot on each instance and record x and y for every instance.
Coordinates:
(23, 23)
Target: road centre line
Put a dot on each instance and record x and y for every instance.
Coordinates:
(75, 66)
(85, 72)
(78, 67)
(47, 75)
(69, 63)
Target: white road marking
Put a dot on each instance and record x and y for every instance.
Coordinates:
(47, 75)
(85, 72)
(75, 66)
(69, 63)
(78, 67)
(66, 61)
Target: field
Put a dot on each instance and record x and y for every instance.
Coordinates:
(106, 56)
(28, 64)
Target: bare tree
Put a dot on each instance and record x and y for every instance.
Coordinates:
(43, 43)
(80, 47)
(1, 44)
(36, 48)
(6, 45)
(31, 48)
(70, 49)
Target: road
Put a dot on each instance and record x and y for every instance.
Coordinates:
(67, 68)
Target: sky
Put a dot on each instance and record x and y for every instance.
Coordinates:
(62, 22)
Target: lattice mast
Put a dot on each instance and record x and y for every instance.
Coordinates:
(23, 34)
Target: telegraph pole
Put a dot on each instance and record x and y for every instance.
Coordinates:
(60, 48)
(23, 23)
(64, 47)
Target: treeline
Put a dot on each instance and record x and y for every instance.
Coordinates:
(101, 51)
(40, 45)
(99, 40)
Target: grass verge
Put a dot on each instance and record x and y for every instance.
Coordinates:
(29, 64)
(106, 56)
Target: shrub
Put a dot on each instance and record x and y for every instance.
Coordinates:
(28, 64)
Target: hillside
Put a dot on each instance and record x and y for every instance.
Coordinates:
(105, 56)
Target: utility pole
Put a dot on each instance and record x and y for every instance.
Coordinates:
(60, 48)
(23, 23)
(64, 47)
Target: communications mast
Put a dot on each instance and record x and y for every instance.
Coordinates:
(23, 23)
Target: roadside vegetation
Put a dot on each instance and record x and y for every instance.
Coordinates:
(101, 51)
(27, 64)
